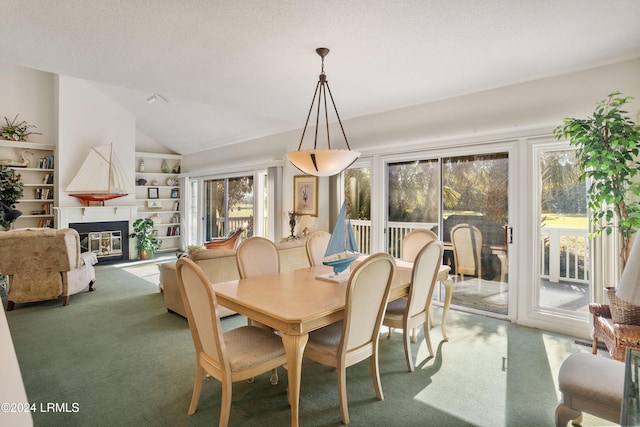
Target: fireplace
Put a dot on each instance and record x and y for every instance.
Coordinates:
(109, 240)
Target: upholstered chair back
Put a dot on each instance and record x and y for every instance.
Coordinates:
(202, 310)
(366, 300)
(467, 245)
(424, 273)
(414, 241)
(257, 256)
(317, 246)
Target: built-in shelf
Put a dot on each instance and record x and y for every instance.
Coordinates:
(38, 180)
(159, 196)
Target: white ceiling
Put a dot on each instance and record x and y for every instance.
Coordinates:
(235, 70)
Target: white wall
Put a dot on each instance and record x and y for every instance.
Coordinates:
(89, 118)
(527, 109)
(29, 93)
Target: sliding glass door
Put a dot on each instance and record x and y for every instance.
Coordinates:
(563, 285)
(475, 193)
(228, 204)
(443, 192)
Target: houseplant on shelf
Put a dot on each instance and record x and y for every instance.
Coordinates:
(608, 144)
(14, 130)
(11, 190)
(147, 243)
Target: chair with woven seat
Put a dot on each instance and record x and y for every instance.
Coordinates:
(413, 311)
(355, 338)
(466, 240)
(317, 246)
(232, 356)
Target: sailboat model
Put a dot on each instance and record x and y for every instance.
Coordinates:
(100, 178)
(342, 249)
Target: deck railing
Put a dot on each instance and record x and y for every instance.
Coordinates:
(564, 251)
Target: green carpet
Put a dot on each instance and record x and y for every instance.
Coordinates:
(124, 360)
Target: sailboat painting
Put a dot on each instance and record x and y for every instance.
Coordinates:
(342, 249)
(100, 178)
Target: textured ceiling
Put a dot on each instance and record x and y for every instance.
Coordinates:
(235, 70)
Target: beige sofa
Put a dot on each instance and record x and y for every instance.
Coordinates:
(43, 264)
(220, 265)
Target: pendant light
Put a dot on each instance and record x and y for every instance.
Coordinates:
(322, 162)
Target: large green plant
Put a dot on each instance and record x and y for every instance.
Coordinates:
(143, 232)
(11, 190)
(607, 153)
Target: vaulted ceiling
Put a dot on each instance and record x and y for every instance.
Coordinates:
(235, 70)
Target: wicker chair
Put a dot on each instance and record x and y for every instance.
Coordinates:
(616, 336)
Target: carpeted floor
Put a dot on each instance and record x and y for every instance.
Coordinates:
(125, 361)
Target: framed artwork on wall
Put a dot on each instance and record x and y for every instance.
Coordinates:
(305, 195)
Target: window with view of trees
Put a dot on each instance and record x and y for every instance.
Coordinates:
(357, 195)
(228, 204)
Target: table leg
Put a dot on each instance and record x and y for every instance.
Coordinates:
(448, 294)
(294, 348)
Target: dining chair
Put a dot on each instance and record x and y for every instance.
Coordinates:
(467, 244)
(257, 256)
(412, 244)
(355, 338)
(317, 244)
(414, 241)
(235, 355)
(413, 311)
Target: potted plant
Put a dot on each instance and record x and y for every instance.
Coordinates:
(147, 243)
(17, 131)
(608, 144)
(11, 190)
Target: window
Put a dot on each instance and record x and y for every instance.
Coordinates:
(229, 203)
(357, 194)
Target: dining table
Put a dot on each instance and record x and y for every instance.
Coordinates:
(297, 302)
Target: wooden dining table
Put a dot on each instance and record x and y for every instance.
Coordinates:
(298, 302)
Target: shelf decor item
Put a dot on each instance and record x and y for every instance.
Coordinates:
(24, 161)
(141, 166)
(14, 130)
(165, 167)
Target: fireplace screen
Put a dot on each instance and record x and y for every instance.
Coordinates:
(103, 243)
(108, 240)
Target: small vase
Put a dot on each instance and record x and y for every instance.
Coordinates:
(141, 166)
(165, 167)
